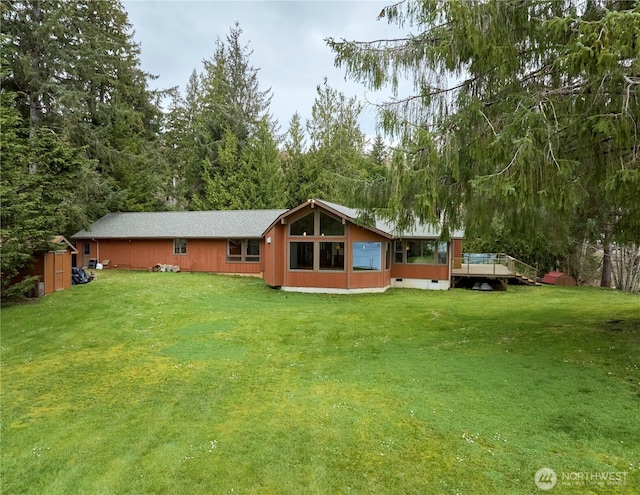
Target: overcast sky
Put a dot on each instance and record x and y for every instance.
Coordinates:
(287, 39)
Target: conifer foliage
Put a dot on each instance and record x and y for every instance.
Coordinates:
(79, 127)
(527, 110)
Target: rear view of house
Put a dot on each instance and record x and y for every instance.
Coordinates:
(196, 241)
(317, 246)
(321, 246)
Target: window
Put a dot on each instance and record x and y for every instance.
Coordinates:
(330, 225)
(317, 224)
(332, 256)
(442, 253)
(179, 246)
(317, 253)
(303, 226)
(421, 251)
(234, 250)
(301, 255)
(253, 250)
(387, 257)
(367, 256)
(399, 253)
(87, 248)
(239, 251)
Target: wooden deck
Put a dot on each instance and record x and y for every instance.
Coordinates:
(483, 270)
(498, 266)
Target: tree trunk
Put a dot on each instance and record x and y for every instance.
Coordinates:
(607, 267)
(34, 98)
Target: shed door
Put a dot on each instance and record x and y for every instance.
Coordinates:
(86, 254)
(58, 268)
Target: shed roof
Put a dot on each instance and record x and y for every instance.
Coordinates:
(62, 241)
(552, 277)
(181, 224)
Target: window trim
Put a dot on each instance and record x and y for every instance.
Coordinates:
(244, 256)
(387, 256)
(314, 258)
(356, 269)
(340, 247)
(403, 251)
(180, 247)
(317, 230)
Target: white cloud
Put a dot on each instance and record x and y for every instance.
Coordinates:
(287, 39)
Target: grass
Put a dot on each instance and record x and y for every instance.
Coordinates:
(142, 383)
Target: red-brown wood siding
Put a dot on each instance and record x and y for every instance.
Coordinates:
(203, 255)
(457, 253)
(53, 270)
(274, 259)
(457, 248)
(347, 279)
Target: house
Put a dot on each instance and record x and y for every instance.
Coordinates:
(317, 246)
(53, 268)
(196, 241)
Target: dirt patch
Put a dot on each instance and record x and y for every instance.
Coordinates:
(618, 325)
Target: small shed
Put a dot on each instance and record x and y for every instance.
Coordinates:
(558, 278)
(54, 267)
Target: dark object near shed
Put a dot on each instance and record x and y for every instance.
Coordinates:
(558, 278)
(79, 276)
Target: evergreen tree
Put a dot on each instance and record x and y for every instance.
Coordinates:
(261, 160)
(336, 144)
(181, 142)
(21, 230)
(231, 102)
(377, 160)
(294, 162)
(76, 70)
(80, 130)
(525, 109)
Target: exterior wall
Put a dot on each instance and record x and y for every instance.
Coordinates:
(457, 253)
(203, 255)
(423, 275)
(53, 270)
(278, 273)
(360, 279)
(417, 283)
(93, 252)
(425, 272)
(274, 258)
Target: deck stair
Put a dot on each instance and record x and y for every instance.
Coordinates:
(495, 266)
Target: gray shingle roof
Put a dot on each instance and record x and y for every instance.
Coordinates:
(181, 224)
(220, 224)
(418, 230)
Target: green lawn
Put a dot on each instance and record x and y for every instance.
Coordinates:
(181, 383)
